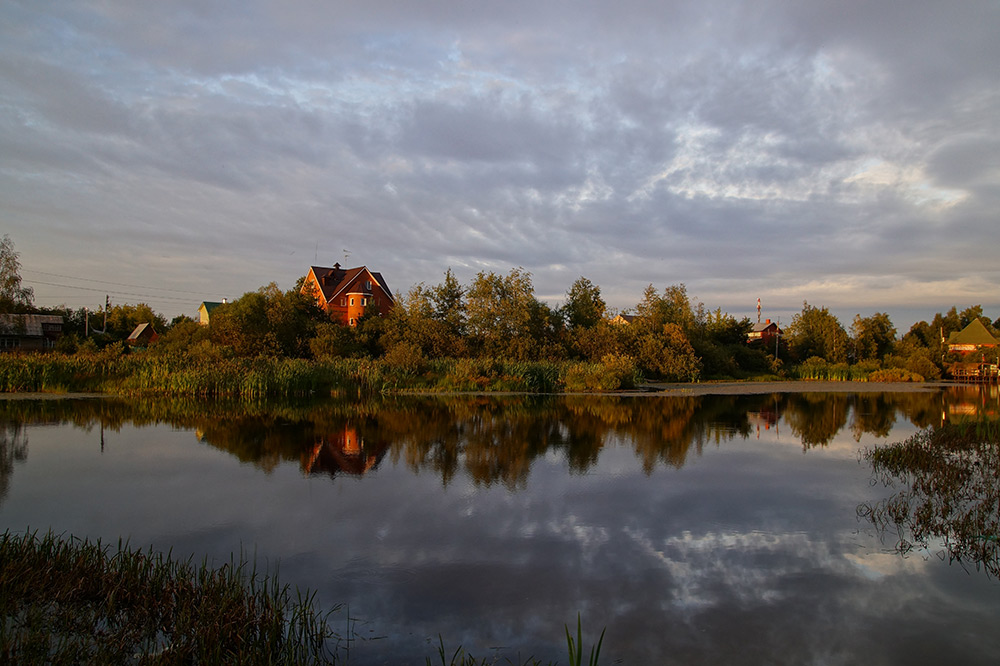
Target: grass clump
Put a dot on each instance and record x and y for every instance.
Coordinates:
(77, 601)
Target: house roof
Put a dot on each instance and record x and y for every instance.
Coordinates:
(140, 330)
(209, 305)
(29, 325)
(339, 279)
(973, 334)
(760, 326)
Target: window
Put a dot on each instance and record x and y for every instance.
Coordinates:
(352, 321)
(352, 301)
(364, 301)
(368, 285)
(343, 302)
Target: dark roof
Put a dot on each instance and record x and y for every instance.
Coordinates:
(973, 334)
(762, 326)
(28, 325)
(338, 279)
(210, 305)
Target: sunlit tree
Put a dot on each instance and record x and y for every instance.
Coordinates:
(815, 332)
(873, 336)
(584, 307)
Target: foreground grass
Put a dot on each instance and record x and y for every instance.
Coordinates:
(73, 601)
(76, 601)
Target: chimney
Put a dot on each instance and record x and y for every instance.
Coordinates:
(767, 321)
(336, 266)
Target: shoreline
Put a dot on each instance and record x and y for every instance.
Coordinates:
(651, 389)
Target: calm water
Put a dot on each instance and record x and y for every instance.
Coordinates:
(696, 530)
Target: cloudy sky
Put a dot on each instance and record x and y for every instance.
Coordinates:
(843, 153)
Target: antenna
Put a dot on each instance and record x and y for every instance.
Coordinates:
(347, 253)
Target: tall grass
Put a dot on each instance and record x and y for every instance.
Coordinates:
(77, 601)
(149, 374)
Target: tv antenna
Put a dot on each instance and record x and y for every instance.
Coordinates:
(347, 253)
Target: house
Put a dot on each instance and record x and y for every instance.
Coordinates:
(624, 319)
(142, 336)
(205, 311)
(973, 337)
(29, 332)
(348, 294)
(765, 332)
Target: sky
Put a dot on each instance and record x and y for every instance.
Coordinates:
(846, 154)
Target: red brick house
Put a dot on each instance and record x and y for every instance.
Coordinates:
(348, 294)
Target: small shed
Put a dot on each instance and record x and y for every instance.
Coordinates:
(143, 335)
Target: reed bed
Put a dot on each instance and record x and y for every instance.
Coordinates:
(253, 378)
(77, 601)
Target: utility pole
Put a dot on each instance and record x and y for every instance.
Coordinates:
(107, 306)
(86, 323)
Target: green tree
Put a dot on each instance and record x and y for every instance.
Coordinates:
(672, 307)
(584, 307)
(499, 314)
(816, 332)
(13, 296)
(267, 322)
(447, 302)
(873, 336)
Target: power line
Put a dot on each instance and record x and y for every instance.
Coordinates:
(117, 284)
(117, 292)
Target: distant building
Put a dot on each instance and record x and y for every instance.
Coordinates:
(765, 332)
(973, 337)
(142, 335)
(29, 332)
(348, 294)
(624, 319)
(205, 311)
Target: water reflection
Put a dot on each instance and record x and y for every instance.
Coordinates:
(495, 440)
(950, 479)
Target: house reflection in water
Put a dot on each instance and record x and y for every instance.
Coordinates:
(344, 451)
(766, 418)
(972, 400)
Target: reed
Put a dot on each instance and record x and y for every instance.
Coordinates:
(66, 600)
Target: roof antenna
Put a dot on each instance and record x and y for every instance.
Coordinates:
(347, 253)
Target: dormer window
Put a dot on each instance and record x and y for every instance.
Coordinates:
(368, 285)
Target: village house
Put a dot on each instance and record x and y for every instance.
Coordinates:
(979, 350)
(29, 332)
(205, 311)
(765, 332)
(624, 319)
(346, 295)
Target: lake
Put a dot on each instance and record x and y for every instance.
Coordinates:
(696, 530)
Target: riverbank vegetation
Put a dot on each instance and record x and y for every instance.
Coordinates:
(493, 334)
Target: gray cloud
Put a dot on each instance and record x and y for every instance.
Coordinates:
(840, 154)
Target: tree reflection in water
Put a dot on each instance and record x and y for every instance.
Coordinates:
(492, 439)
(951, 479)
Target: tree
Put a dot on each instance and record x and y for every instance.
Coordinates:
(668, 354)
(873, 336)
(584, 307)
(673, 307)
(13, 297)
(816, 332)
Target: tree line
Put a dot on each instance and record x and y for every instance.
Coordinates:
(671, 336)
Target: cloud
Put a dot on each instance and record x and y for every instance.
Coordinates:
(748, 150)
